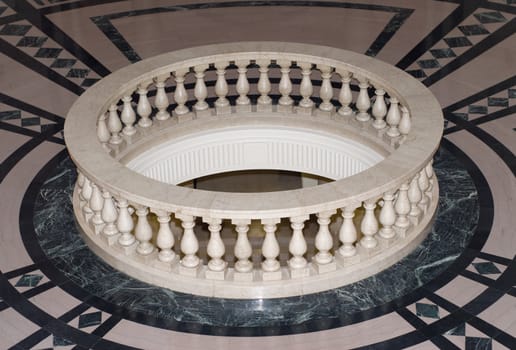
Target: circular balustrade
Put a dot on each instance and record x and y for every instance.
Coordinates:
(256, 105)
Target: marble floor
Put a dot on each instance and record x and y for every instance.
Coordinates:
(457, 291)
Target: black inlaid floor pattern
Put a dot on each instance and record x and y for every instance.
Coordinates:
(455, 291)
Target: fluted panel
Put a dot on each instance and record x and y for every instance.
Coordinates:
(293, 150)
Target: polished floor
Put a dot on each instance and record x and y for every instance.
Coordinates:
(464, 51)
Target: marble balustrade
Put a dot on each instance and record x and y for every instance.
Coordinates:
(385, 213)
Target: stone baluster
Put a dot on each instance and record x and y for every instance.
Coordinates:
(165, 239)
(393, 118)
(243, 250)
(242, 87)
(96, 204)
(180, 94)
(103, 132)
(414, 196)
(114, 125)
(270, 250)
(363, 101)
(326, 91)
(348, 232)
(297, 247)
(124, 224)
(189, 245)
(369, 226)
(306, 89)
(128, 115)
(143, 232)
(109, 215)
(200, 91)
(324, 260)
(402, 207)
(215, 250)
(80, 184)
(423, 185)
(161, 100)
(86, 193)
(323, 238)
(387, 216)
(405, 124)
(345, 95)
(221, 89)
(264, 103)
(144, 108)
(379, 109)
(285, 87)
(429, 174)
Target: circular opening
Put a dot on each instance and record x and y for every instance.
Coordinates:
(250, 181)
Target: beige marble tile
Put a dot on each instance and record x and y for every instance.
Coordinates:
(10, 143)
(502, 183)
(363, 333)
(47, 301)
(500, 314)
(21, 83)
(461, 290)
(14, 328)
(13, 254)
(176, 30)
(502, 130)
(473, 77)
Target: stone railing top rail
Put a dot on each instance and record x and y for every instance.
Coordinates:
(94, 162)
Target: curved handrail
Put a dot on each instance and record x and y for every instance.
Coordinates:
(87, 152)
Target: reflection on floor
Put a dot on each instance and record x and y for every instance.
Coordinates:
(459, 292)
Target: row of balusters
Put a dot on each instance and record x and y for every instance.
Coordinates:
(387, 113)
(113, 218)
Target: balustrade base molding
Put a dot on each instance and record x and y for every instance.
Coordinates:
(275, 284)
